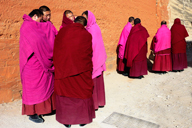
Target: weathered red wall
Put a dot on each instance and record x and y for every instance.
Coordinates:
(111, 16)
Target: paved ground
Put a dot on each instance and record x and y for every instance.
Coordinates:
(165, 100)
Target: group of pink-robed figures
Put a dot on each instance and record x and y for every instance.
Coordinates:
(168, 48)
(45, 87)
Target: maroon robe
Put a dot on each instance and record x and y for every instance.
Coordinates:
(72, 58)
(136, 50)
(178, 45)
(162, 60)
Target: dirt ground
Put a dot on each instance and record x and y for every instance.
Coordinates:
(165, 100)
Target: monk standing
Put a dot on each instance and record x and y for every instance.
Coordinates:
(72, 59)
(136, 50)
(99, 58)
(68, 18)
(47, 16)
(122, 43)
(36, 66)
(178, 44)
(161, 46)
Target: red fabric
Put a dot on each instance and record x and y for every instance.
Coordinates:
(153, 43)
(45, 107)
(178, 34)
(72, 59)
(136, 40)
(139, 66)
(120, 65)
(179, 61)
(66, 21)
(78, 86)
(163, 61)
(74, 111)
(99, 91)
(72, 53)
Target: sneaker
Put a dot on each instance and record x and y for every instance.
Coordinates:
(35, 118)
(67, 125)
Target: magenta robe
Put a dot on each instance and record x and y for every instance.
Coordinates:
(36, 65)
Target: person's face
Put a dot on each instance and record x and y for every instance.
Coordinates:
(47, 16)
(37, 19)
(84, 16)
(132, 23)
(70, 16)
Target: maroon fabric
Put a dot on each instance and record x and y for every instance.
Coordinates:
(45, 107)
(74, 110)
(136, 40)
(99, 91)
(178, 34)
(120, 65)
(139, 66)
(163, 61)
(78, 86)
(66, 21)
(72, 57)
(153, 43)
(179, 61)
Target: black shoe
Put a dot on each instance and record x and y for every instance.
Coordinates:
(35, 118)
(67, 125)
(82, 125)
(181, 70)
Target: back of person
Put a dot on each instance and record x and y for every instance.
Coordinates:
(72, 59)
(178, 44)
(136, 50)
(161, 46)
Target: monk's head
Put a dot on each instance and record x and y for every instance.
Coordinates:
(137, 21)
(85, 14)
(131, 20)
(46, 13)
(163, 22)
(36, 15)
(82, 20)
(69, 14)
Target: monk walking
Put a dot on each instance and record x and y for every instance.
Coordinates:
(99, 58)
(161, 47)
(178, 45)
(36, 66)
(122, 43)
(72, 59)
(136, 50)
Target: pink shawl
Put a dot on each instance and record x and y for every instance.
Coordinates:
(163, 39)
(99, 53)
(37, 38)
(123, 40)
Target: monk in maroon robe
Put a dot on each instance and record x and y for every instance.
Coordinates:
(136, 50)
(161, 47)
(178, 45)
(73, 87)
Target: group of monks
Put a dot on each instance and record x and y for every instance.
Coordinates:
(61, 70)
(168, 48)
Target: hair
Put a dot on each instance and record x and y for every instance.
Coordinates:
(82, 20)
(131, 19)
(67, 12)
(37, 12)
(163, 22)
(137, 21)
(44, 8)
(86, 13)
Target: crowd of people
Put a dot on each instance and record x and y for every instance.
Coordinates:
(168, 48)
(62, 71)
